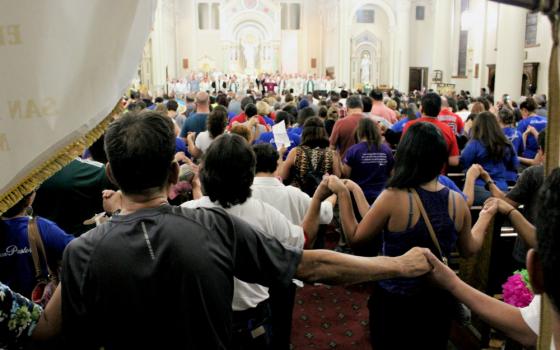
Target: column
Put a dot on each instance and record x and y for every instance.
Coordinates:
(511, 49)
(343, 74)
(403, 44)
(477, 40)
(441, 58)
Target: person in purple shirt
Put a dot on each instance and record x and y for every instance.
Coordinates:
(268, 137)
(494, 152)
(369, 162)
(530, 118)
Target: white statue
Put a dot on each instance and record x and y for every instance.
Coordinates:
(365, 64)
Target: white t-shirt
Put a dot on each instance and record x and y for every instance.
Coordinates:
(203, 141)
(464, 115)
(271, 223)
(289, 200)
(532, 315)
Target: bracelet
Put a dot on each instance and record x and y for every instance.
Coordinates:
(509, 212)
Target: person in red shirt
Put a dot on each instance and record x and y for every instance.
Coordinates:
(343, 135)
(242, 117)
(431, 107)
(447, 116)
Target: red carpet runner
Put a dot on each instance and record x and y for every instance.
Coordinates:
(331, 318)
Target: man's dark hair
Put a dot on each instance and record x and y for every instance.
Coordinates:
(97, 150)
(367, 102)
(245, 101)
(305, 114)
(334, 96)
(267, 158)
(506, 116)
(343, 94)
(217, 121)
(250, 110)
(354, 102)
(462, 104)
(529, 104)
(158, 99)
(292, 110)
(548, 226)
(284, 116)
(228, 170)
(452, 104)
(420, 156)
(376, 95)
(431, 104)
(172, 105)
(140, 148)
(323, 112)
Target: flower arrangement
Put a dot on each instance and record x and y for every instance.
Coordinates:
(517, 289)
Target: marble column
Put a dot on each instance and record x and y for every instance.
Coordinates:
(343, 74)
(403, 44)
(441, 57)
(511, 50)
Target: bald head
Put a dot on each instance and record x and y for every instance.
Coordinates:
(444, 102)
(201, 101)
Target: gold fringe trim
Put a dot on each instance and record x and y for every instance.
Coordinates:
(64, 156)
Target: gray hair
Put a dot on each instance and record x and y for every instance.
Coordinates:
(354, 101)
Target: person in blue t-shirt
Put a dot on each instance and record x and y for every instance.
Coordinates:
(369, 162)
(493, 151)
(507, 120)
(196, 122)
(530, 119)
(268, 137)
(16, 264)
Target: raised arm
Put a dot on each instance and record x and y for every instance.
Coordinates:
(470, 178)
(359, 197)
(286, 166)
(497, 314)
(330, 267)
(312, 217)
(193, 150)
(471, 239)
(371, 224)
(523, 227)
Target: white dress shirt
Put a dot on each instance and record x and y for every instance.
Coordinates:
(289, 200)
(271, 223)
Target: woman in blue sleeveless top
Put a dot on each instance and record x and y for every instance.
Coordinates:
(410, 313)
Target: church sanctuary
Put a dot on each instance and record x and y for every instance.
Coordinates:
(280, 174)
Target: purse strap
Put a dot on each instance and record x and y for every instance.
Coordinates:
(37, 248)
(428, 224)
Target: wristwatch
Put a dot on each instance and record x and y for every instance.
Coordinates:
(487, 184)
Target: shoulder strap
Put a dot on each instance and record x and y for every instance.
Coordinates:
(428, 224)
(37, 248)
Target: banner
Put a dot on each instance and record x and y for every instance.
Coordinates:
(64, 65)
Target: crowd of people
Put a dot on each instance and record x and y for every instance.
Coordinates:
(194, 224)
(238, 83)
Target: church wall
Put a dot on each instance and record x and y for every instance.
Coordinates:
(421, 33)
(541, 53)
